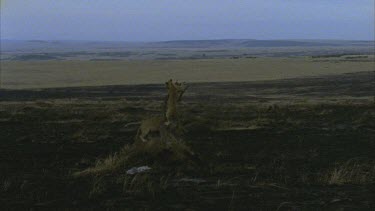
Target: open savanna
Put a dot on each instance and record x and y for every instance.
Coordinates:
(44, 74)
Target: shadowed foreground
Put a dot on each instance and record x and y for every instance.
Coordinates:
(287, 144)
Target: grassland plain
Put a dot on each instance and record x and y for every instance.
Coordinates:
(43, 74)
(291, 144)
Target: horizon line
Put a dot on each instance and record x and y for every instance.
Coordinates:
(173, 40)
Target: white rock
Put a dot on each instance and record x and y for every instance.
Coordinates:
(136, 170)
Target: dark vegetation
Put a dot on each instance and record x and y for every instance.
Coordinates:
(180, 49)
(302, 144)
(116, 54)
(177, 55)
(28, 57)
(340, 55)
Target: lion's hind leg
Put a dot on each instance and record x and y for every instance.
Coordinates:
(142, 134)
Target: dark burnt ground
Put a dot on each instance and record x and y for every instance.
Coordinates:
(359, 84)
(262, 146)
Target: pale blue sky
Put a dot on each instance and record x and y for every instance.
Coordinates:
(151, 20)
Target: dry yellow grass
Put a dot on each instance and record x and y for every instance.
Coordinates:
(42, 74)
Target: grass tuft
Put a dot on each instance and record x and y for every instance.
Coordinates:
(351, 172)
(174, 159)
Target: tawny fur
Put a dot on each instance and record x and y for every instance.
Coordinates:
(159, 124)
(148, 126)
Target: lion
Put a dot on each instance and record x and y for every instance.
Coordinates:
(161, 124)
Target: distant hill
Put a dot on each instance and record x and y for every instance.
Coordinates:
(249, 43)
(26, 50)
(9, 45)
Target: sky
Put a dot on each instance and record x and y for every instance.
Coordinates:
(158, 20)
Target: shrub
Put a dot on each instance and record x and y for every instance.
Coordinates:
(350, 172)
(173, 159)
